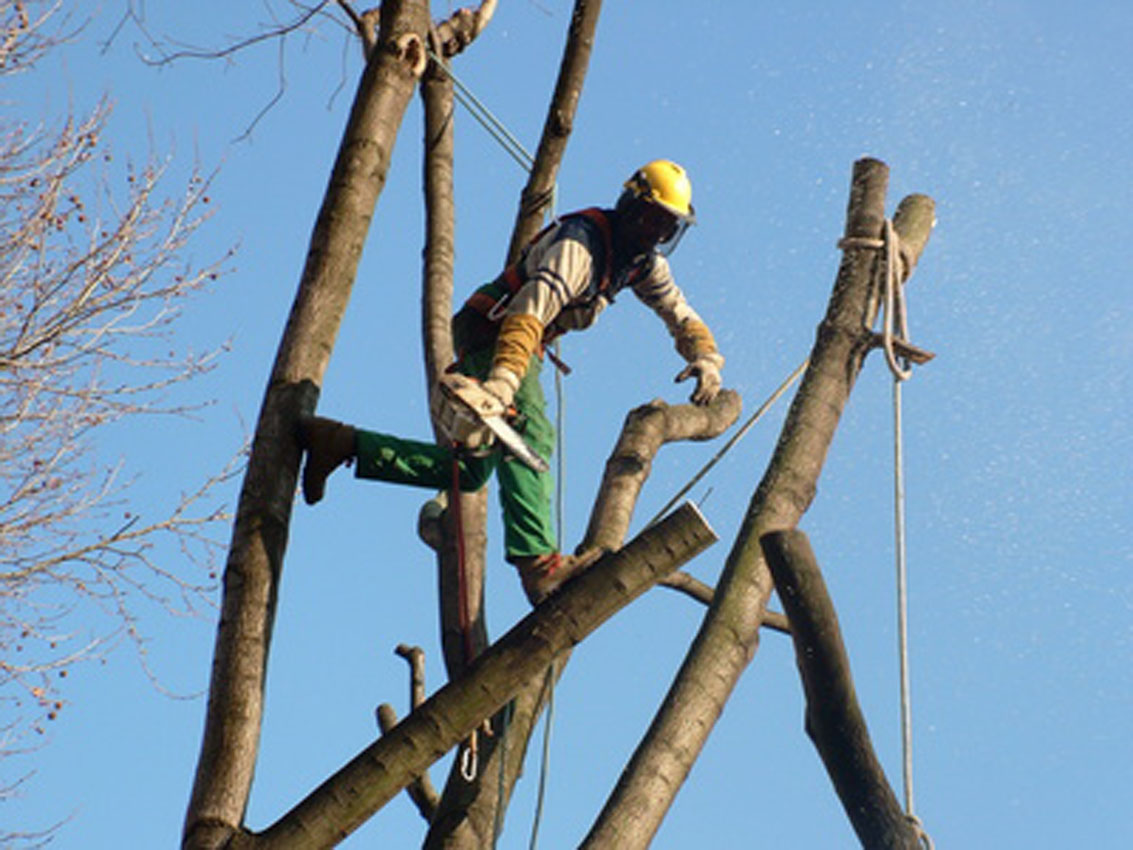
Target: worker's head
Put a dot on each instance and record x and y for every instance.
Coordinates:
(655, 207)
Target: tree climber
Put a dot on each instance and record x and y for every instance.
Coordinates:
(563, 279)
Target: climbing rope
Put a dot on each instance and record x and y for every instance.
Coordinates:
(895, 331)
(544, 770)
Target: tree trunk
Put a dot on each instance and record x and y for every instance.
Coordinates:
(349, 797)
(259, 537)
(729, 635)
(469, 812)
(834, 719)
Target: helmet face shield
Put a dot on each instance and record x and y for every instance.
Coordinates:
(658, 201)
(667, 246)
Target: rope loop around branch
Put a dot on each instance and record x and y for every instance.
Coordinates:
(847, 243)
(923, 838)
(895, 325)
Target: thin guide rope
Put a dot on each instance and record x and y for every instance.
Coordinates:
(735, 438)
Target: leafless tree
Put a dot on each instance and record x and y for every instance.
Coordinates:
(93, 277)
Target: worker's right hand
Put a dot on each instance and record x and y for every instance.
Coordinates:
(502, 383)
(457, 424)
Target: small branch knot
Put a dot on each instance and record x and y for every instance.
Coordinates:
(411, 49)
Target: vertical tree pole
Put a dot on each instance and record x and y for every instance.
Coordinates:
(469, 812)
(259, 537)
(436, 326)
(729, 635)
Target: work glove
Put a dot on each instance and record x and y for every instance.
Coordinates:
(502, 383)
(457, 423)
(706, 370)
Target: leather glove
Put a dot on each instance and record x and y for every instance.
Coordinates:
(458, 424)
(502, 383)
(706, 370)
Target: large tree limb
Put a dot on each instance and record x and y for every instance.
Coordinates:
(259, 536)
(349, 797)
(729, 635)
(834, 719)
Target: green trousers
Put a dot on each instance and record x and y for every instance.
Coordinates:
(525, 495)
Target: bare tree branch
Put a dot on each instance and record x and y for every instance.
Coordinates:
(694, 588)
(537, 193)
(645, 430)
(421, 790)
(93, 278)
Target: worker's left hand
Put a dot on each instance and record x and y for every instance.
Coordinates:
(708, 380)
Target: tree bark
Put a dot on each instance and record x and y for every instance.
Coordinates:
(729, 635)
(349, 797)
(459, 646)
(834, 720)
(259, 538)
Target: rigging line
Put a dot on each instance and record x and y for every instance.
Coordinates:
(501, 779)
(895, 327)
(496, 128)
(735, 438)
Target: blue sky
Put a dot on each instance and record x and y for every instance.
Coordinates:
(1014, 116)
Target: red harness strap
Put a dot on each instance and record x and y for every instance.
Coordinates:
(463, 613)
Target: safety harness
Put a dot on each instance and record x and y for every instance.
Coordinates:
(479, 319)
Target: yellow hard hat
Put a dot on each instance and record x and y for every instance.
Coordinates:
(665, 183)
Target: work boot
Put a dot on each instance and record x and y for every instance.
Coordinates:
(329, 444)
(542, 575)
(430, 521)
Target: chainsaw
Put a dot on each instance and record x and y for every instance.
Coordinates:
(470, 408)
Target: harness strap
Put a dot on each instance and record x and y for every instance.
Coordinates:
(490, 300)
